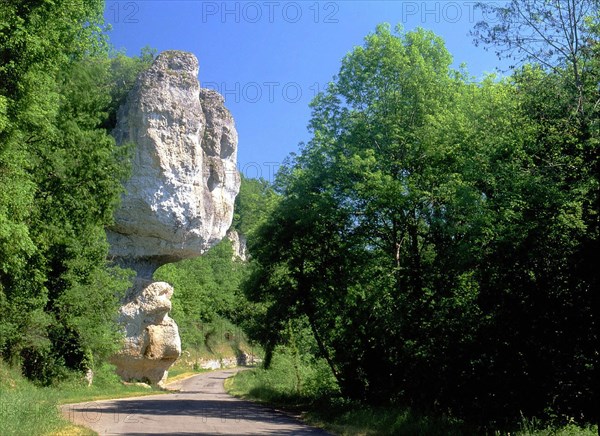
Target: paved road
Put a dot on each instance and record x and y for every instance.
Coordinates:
(201, 407)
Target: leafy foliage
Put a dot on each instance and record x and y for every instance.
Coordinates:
(207, 289)
(61, 174)
(436, 235)
(252, 205)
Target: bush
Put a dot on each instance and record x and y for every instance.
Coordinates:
(291, 379)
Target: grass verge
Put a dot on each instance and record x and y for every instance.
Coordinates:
(181, 373)
(337, 415)
(27, 409)
(342, 417)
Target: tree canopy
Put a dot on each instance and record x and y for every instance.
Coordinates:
(436, 233)
(61, 175)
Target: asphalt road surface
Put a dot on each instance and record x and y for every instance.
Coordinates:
(201, 407)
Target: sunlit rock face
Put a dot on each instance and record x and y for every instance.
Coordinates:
(179, 200)
(239, 245)
(152, 341)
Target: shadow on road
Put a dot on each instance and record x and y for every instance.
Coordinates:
(201, 407)
(201, 412)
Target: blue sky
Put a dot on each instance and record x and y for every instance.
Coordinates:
(269, 58)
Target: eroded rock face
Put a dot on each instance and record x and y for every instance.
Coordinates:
(152, 341)
(239, 245)
(178, 201)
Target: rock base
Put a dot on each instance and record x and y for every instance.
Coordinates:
(152, 341)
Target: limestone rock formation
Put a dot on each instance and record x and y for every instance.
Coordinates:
(239, 245)
(152, 341)
(179, 199)
(178, 202)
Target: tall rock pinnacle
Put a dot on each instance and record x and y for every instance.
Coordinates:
(178, 202)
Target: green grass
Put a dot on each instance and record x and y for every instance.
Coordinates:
(533, 427)
(306, 390)
(335, 414)
(27, 409)
(180, 371)
(361, 420)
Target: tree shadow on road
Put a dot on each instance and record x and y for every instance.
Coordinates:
(202, 412)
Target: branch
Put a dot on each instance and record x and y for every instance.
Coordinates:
(535, 28)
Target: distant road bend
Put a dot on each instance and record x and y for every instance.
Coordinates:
(201, 407)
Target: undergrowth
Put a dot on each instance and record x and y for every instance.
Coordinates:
(306, 386)
(28, 409)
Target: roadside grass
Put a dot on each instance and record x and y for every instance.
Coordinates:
(286, 387)
(180, 371)
(335, 414)
(533, 427)
(73, 430)
(27, 409)
(182, 374)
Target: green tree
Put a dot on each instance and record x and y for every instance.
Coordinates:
(252, 204)
(206, 290)
(60, 174)
(545, 256)
(552, 34)
(435, 233)
(352, 244)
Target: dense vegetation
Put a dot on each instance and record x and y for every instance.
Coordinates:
(209, 306)
(437, 235)
(428, 258)
(297, 384)
(60, 178)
